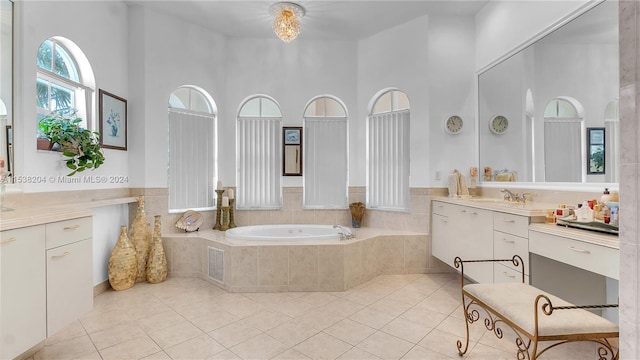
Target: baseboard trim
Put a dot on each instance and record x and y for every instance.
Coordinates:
(101, 287)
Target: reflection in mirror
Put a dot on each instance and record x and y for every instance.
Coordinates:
(7, 165)
(292, 151)
(551, 91)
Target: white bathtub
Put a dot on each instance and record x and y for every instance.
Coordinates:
(283, 233)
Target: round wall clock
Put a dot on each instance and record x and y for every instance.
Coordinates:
(499, 124)
(453, 124)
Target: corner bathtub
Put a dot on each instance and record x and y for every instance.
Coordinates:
(283, 233)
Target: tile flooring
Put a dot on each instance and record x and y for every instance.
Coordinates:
(389, 317)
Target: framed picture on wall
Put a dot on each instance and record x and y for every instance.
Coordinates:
(113, 121)
(595, 151)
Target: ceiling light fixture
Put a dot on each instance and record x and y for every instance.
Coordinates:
(287, 20)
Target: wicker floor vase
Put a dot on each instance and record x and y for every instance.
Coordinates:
(157, 263)
(140, 235)
(123, 265)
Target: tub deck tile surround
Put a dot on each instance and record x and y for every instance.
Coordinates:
(308, 266)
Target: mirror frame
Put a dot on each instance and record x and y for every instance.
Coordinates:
(7, 134)
(581, 186)
(291, 151)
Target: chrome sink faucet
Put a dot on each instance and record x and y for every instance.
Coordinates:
(345, 233)
(514, 197)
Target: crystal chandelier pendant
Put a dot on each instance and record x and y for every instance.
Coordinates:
(286, 24)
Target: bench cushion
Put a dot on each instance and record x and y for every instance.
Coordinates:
(515, 301)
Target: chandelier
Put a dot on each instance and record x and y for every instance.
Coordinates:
(287, 20)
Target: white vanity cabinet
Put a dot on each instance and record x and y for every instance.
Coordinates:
(510, 237)
(69, 272)
(46, 281)
(466, 232)
(22, 290)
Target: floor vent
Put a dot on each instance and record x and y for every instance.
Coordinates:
(216, 264)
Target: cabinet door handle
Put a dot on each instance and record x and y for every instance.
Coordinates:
(509, 276)
(9, 240)
(508, 220)
(463, 211)
(473, 213)
(66, 253)
(582, 251)
(71, 227)
(508, 241)
(445, 220)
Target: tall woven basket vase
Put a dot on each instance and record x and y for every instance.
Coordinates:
(157, 264)
(140, 235)
(123, 266)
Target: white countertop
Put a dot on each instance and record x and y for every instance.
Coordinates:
(530, 208)
(592, 237)
(30, 216)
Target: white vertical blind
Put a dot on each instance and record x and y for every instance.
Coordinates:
(563, 150)
(191, 160)
(259, 163)
(325, 162)
(388, 161)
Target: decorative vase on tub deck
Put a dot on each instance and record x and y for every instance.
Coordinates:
(157, 264)
(357, 212)
(123, 266)
(140, 235)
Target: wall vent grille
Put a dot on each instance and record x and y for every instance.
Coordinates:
(216, 264)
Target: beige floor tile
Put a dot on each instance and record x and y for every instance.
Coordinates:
(175, 334)
(160, 321)
(342, 307)
(96, 321)
(225, 355)
(73, 330)
(358, 354)
(350, 331)
(385, 346)
(406, 295)
(292, 307)
(391, 307)
(292, 332)
(317, 299)
(67, 349)
(201, 347)
(320, 319)
(266, 320)
(420, 353)
(323, 346)
(161, 355)
(234, 334)
(373, 318)
(444, 343)
(425, 317)
(291, 355)
(456, 327)
(213, 320)
(137, 348)
(483, 352)
(105, 338)
(407, 330)
(441, 301)
(262, 346)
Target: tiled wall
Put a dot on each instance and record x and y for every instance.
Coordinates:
(629, 13)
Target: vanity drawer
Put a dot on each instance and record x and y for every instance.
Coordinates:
(511, 224)
(68, 231)
(503, 274)
(442, 208)
(595, 258)
(506, 245)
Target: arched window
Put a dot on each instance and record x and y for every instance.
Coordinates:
(388, 151)
(564, 139)
(612, 142)
(192, 150)
(64, 80)
(326, 154)
(258, 155)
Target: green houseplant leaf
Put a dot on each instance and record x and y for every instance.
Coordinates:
(80, 146)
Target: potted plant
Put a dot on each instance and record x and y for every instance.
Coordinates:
(80, 146)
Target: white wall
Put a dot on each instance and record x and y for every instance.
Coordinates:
(106, 231)
(502, 25)
(385, 62)
(99, 28)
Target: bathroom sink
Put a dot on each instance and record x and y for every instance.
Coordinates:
(490, 201)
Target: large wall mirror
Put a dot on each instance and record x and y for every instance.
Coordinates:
(7, 164)
(549, 94)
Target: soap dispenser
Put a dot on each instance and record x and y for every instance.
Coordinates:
(584, 213)
(606, 196)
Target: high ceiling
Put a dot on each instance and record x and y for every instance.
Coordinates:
(354, 19)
